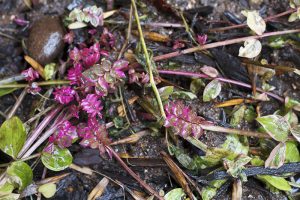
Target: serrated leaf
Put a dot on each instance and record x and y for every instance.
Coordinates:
(175, 194)
(48, 190)
(277, 182)
(20, 173)
(59, 160)
(277, 156)
(212, 90)
(12, 136)
(255, 22)
(251, 49)
(184, 95)
(276, 126)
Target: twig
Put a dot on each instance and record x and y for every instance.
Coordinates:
(244, 25)
(148, 62)
(17, 104)
(42, 83)
(35, 133)
(253, 171)
(128, 34)
(133, 174)
(14, 78)
(40, 114)
(225, 80)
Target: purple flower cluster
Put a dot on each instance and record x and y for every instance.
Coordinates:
(64, 95)
(30, 74)
(139, 78)
(183, 120)
(65, 135)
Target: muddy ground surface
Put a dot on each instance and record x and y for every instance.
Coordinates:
(152, 169)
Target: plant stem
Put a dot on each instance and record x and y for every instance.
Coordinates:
(148, 62)
(244, 25)
(224, 80)
(24, 159)
(17, 104)
(36, 132)
(42, 83)
(237, 131)
(18, 77)
(133, 174)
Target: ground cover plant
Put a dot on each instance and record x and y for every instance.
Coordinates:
(151, 100)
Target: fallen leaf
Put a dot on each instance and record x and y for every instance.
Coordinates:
(251, 49)
(255, 22)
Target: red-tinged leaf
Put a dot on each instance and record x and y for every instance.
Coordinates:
(210, 71)
(276, 157)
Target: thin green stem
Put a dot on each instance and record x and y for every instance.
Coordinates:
(148, 62)
(42, 83)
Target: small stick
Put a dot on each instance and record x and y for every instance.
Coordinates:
(148, 62)
(17, 104)
(42, 83)
(128, 34)
(133, 174)
(225, 80)
(14, 78)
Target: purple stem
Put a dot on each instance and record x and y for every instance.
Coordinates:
(36, 132)
(225, 80)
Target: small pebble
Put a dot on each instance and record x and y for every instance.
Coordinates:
(45, 40)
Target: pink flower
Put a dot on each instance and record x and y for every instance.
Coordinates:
(69, 37)
(33, 88)
(74, 74)
(201, 39)
(92, 105)
(74, 111)
(64, 95)
(75, 55)
(65, 135)
(30, 74)
(91, 56)
(20, 21)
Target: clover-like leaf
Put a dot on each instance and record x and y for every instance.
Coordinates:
(12, 136)
(58, 160)
(48, 190)
(276, 126)
(212, 90)
(175, 194)
(20, 173)
(251, 49)
(255, 22)
(277, 156)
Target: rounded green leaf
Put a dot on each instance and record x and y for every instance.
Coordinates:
(277, 156)
(48, 190)
(59, 160)
(277, 182)
(20, 173)
(212, 90)
(276, 126)
(12, 136)
(175, 194)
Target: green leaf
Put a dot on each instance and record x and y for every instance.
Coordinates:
(276, 126)
(184, 95)
(277, 182)
(59, 160)
(20, 173)
(276, 157)
(292, 118)
(296, 132)
(250, 114)
(5, 91)
(6, 189)
(175, 194)
(196, 85)
(12, 136)
(290, 103)
(291, 152)
(235, 168)
(165, 92)
(48, 190)
(49, 71)
(238, 115)
(212, 90)
(210, 191)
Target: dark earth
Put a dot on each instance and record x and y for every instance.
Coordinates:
(42, 39)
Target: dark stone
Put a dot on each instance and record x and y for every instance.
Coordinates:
(45, 40)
